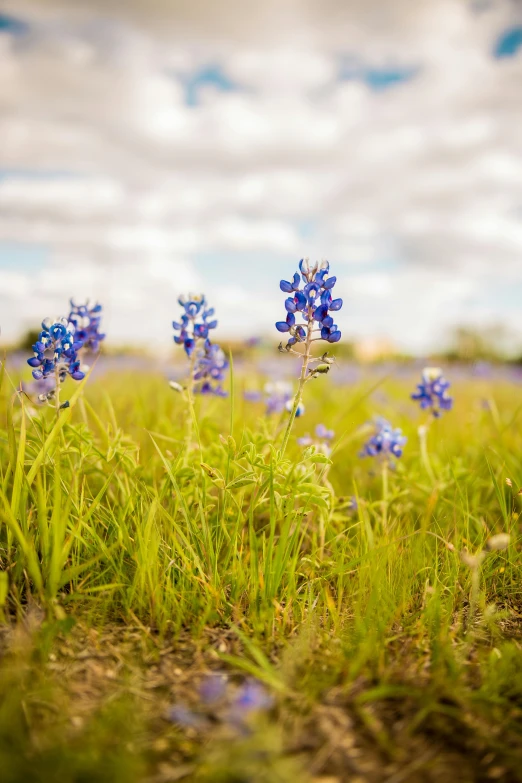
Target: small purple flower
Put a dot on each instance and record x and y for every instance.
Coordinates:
(209, 363)
(311, 300)
(213, 688)
(432, 392)
(305, 440)
(253, 396)
(87, 322)
(385, 442)
(43, 390)
(210, 369)
(322, 439)
(276, 394)
(252, 697)
(195, 323)
(323, 433)
(186, 717)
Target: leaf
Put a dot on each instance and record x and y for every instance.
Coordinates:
(320, 459)
(4, 589)
(243, 480)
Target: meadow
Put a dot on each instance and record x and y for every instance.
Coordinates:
(181, 598)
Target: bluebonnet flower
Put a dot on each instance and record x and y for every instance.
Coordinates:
(276, 394)
(222, 703)
(43, 389)
(56, 351)
(252, 697)
(432, 392)
(300, 410)
(210, 369)
(213, 689)
(194, 323)
(87, 322)
(385, 443)
(311, 300)
(251, 700)
(322, 439)
(253, 395)
(184, 716)
(353, 504)
(208, 361)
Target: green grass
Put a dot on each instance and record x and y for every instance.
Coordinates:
(107, 519)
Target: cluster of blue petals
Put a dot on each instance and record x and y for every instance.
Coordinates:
(209, 361)
(210, 369)
(311, 299)
(432, 392)
(56, 351)
(386, 442)
(87, 322)
(220, 703)
(196, 322)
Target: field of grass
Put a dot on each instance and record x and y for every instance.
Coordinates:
(218, 611)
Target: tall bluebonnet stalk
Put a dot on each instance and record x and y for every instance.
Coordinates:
(55, 355)
(60, 347)
(207, 362)
(311, 302)
(384, 445)
(432, 395)
(86, 319)
(432, 392)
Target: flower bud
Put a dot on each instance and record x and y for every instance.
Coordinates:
(498, 542)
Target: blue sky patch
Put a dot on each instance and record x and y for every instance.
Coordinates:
(508, 43)
(207, 76)
(22, 256)
(36, 174)
(12, 25)
(377, 79)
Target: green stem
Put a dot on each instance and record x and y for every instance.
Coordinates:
(190, 404)
(385, 494)
(302, 380)
(473, 602)
(425, 457)
(57, 391)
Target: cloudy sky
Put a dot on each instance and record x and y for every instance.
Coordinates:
(150, 148)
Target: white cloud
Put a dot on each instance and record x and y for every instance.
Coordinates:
(422, 180)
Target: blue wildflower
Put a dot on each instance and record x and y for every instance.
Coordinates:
(312, 301)
(253, 395)
(278, 394)
(196, 322)
(299, 410)
(275, 394)
(87, 322)
(322, 439)
(56, 352)
(208, 361)
(385, 442)
(252, 697)
(209, 369)
(213, 689)
(184, 716)
(353, 504)
(43, 389)
(432, 392)
(251, 700)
